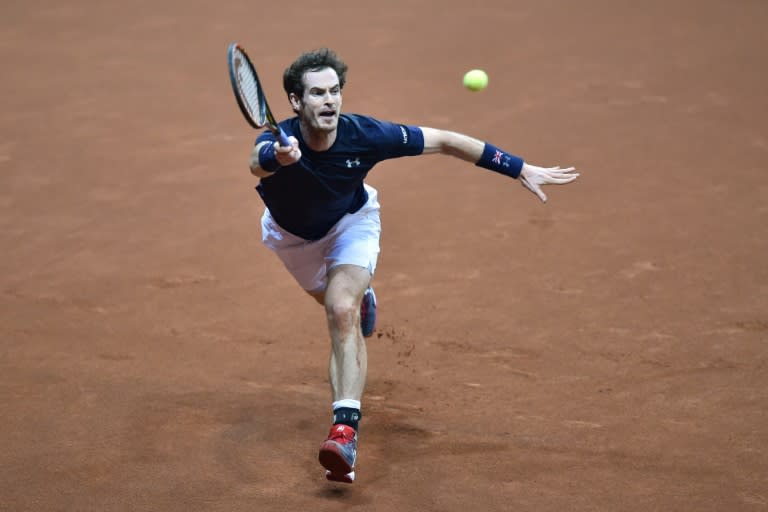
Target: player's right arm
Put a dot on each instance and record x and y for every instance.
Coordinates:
(268, 156)
(254, 164)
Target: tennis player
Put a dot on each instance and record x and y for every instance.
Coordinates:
(322, 220)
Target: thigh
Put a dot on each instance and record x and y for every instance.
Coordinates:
(303, 259)
(346, 285)
(355, 239)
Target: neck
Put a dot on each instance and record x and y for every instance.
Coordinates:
(317, 140)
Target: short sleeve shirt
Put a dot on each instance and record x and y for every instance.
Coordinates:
(309, 197)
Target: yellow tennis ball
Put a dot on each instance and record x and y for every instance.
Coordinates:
(476, 80)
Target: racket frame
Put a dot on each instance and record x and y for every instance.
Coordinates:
(264, 116)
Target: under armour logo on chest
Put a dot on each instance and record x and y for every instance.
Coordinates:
(353, 163)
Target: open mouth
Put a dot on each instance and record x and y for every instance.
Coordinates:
(327, 114)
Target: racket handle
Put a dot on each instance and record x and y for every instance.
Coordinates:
(282, 138)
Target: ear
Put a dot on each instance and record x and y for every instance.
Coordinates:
(295, 102)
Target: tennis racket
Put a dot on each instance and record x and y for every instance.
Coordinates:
(249, 93)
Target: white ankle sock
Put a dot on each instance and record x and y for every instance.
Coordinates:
(347, 402)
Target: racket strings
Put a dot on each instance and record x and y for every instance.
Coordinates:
(249, 88)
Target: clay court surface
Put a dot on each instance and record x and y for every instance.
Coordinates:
(606, 351)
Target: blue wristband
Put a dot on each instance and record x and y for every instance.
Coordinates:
(267, 159)
(496, 160)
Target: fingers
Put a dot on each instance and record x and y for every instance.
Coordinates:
(556, 180)
(287, 155)
(532, 177)
(535, 189)
(294, 145)
(557, 176)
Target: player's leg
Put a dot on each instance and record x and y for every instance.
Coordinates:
(352, 255)
(368, 308)
(347, 369)
(355, 240)
(348, 362)
(306, 263)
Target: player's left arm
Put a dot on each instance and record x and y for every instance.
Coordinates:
(490, 157)
(452, 143)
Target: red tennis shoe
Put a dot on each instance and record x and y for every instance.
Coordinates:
(338, 453)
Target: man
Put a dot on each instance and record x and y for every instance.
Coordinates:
(322, 220)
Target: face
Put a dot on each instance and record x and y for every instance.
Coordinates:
(320, 106)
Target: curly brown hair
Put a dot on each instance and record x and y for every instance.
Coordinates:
(314, 60)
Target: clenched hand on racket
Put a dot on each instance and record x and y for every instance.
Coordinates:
(288, 154)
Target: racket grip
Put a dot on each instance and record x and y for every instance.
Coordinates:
(282, 138)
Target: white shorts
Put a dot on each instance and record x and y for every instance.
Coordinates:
(354, 240)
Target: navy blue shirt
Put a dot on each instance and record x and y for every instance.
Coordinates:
(309, 197)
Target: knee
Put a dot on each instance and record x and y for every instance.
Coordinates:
(343, 315)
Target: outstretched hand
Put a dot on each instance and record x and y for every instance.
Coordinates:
(533, 177)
